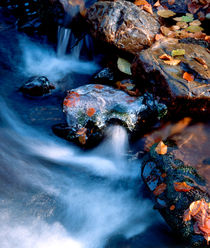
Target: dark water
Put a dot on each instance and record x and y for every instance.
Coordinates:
(52, 194)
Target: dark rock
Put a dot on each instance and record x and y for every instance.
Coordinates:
(182, 165)
(167, 81)
(106, 75)
(37, 86)
(123, 25)
(90, 108)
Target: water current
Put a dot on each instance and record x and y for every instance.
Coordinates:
(53, 194)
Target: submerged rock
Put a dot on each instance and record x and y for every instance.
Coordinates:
(122, 24)
(37, 86)
(179, 180)
(168, 81)
(90, 108)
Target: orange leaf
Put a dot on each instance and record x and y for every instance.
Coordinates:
(148, 8)
(157, 4)
(182, 187)
(81, 131)
(82, 139)
(99, 86)
(90, 112)
(159, 36)
(202, 62)
(159, 189)
(165, 57)
(161, 148)
(187, 76)
(172, 207)
(141, 2)
(172, 62)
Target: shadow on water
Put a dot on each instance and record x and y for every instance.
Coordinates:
(52, 194)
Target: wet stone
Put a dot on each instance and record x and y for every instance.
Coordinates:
(122, 24)
(37, 86)
(167, 80)
(91, 108)
(180, 179)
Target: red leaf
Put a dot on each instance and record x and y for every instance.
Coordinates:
(187, 76)
(182, 187)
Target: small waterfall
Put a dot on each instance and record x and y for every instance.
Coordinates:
(63, 40)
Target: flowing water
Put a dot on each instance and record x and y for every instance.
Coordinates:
(52, 194)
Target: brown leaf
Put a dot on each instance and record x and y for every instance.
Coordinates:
(165, 57)
(159, 189)
(165, 30)
(161, 148)
(90, 112)
(187, 76)
(81, 131)
(82, 139)
(172, 62)
(201, 61)
(171, 2)
(148, 8)
(182, 187)
(165, 13)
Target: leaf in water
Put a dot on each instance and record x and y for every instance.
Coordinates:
(185, 18)
(124, 66)
(82, 139)
(90, 112)
(81, 131)
(172, 207)
(159, 189)
(178, 52)
(194, 29)
(187, 76)
(182, 24)
(161, 148)
(182, 187)
(165, 13)
(201, 61)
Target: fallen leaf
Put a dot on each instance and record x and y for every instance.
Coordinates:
(178, 52)
(195, 23)
(182, 24)
(82, 139)
(165, 57)
(90, 112)
(140, 2)
(161, 148)
(124, 66)
(171, 2)
(99, 86)
(159, 189)
(175, 27)
(81, 131)
(157, 4)
(201, 61)
(159, 36)
(172, 62)
(185, 18)
(182, 187)
(200, 212)
(194, 29)
(165, 30)
(207, 38)
(165, 13)
(187, 76)
(172, 207)
(148, 8)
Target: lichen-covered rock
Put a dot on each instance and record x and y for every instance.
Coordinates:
(179, 180)
(37, 86)
(90, 108)
(168, 80)
(122, 24)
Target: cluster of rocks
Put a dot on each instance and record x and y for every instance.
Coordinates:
(162, 81)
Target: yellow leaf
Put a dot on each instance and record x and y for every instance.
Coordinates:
(194, 29)
(178, 52)
(124, 66)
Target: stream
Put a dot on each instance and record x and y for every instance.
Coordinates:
(52, 193)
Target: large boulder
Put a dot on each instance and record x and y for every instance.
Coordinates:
(90, 108)
(178, 177)
(167, 80)
(122, 24)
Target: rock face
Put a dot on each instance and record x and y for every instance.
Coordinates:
(167, 80)
(90, 108)
(37, 86)
(179, 181)
(123, 25)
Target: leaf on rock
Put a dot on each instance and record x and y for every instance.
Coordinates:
(200, 212)
(148, 8)
(90, 112)
(182, 187)
(159, 189)
(194, 29)
(165, 13)
(195, 23)
(167, 59)
(161, 148)
(124, 66)
(187, 76)
(159, 36)
(140, 2)
(178, 52)
(201, 61)
(157, 4)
